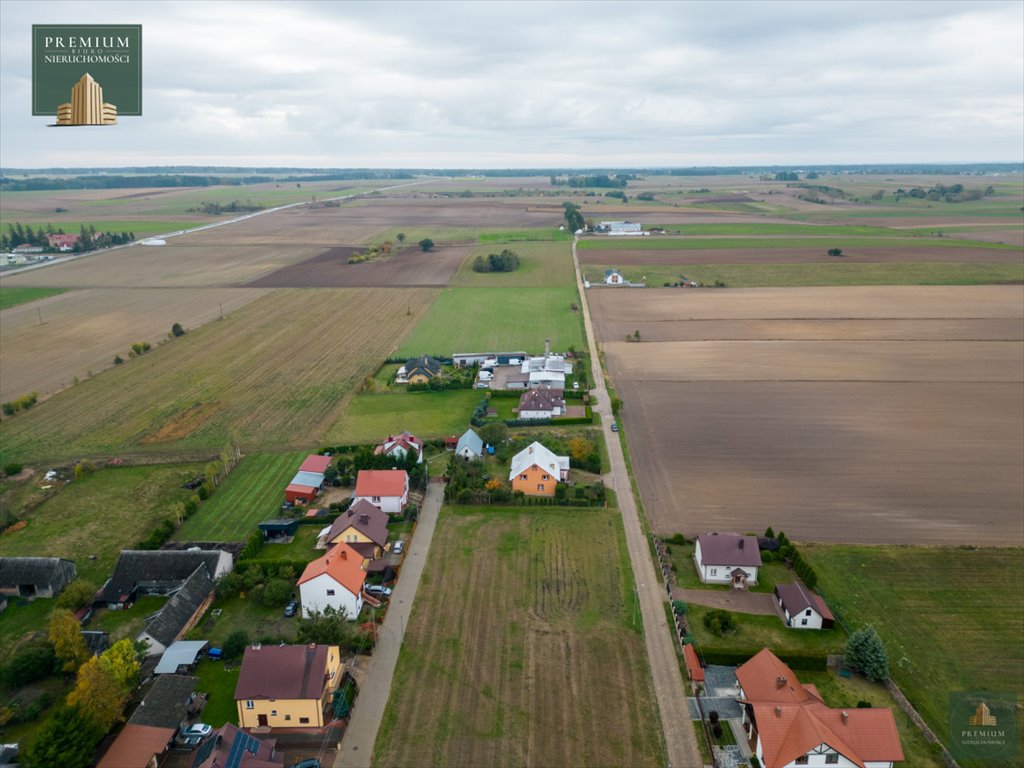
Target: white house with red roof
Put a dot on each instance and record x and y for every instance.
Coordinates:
(801, 608)
(727, 558)
(788, 724)
(334, 580)
(386, 489)
(399, 447)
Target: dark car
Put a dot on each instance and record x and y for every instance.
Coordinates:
(310, 762)
(291, 609)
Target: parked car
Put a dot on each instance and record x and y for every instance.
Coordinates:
(291, 609)
(615, 426)
(197, 730)
(398, 547)
(309, 762)
(378, 589)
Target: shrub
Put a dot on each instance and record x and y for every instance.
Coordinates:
(677, 538)
(679, 606)
(719, 622)
(159, 536)
(12, 469)
(713, 716)
(717, 730)
(77, 594)
(32, 661)
(235, 644)
(276, 592)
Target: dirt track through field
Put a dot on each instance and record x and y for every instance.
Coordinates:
(782, 407)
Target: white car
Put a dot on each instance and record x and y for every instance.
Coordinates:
(197, 729)
(398, 547)
(378, 589)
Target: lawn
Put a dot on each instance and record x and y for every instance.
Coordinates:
(11, 296)
(756, 632)
(101, 514)
(301, 547)
(951, 618)
(127, 623)
(261, 623)
(370, 418)
(218, 679)
(819, 273)
(524, 647)
(253, 492)
(517, 235)
(540, 264)
(768, 575)
(497, 319)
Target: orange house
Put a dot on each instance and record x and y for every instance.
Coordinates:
(536, 471)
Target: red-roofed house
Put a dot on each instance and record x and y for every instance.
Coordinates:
(137, 746)
(399, 447)
(315, 463)
(63, 242)
(287, 686)
(803, 609)
(386, 489)
(334, 580)
(789, 725)
(727, 558)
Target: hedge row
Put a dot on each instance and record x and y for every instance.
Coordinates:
(810, 662)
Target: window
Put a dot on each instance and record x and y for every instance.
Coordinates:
(544, 477)
(330, 593)
(273, 713)
(523, 477)
(803, 622)
(808, 612)
(802, 760)
(832, 758)
(303, 719)
(248, 704)
(714, 571)
(287, 717)
(376, 499)
(540, 487)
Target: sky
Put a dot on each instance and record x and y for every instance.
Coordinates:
(534, 84)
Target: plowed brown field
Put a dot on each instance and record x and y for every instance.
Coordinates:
(876, 415)
(522, 649)
(759, 254)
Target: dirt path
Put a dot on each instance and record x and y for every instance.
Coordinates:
(680, 740)
(740, 601)
(357, 745)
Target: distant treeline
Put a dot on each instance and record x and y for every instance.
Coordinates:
(235, 206)
(88, 238)
(618, 180)
(9, 184)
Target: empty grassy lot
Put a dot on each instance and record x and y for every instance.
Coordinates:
(371, 418)
(12, 296)
(951, 617)
(495, 319)
(541, 264)
(252, 493)
(824, 274)
(275, 373)
(524, 648)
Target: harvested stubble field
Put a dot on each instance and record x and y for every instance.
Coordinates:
(275, 373)
(523, 648)
(781, 416)
(408, 267)
(83, 330)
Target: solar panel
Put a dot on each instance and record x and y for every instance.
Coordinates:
(243, 743)
(205, 750)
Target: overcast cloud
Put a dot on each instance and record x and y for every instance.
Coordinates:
(526, 84)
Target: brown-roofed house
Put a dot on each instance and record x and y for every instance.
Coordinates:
(362, 523)
(222, 751)
(541, 403)
(137, 746)
(801, 608)
(790, 725)
(287, 686)
(727, 558)
(386, 489)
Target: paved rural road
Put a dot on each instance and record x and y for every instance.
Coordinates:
(680, 739)
(357, 744)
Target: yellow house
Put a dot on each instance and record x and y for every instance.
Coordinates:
(422, 369)
(536, 471)
(287, 686)
(364, 527)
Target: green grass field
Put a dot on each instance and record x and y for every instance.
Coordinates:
(951, 618)
(496, 319)
(371, 418)
(541, 264)
(756, 632)
(12, 297)
(819, 274)
(218, 680)
(516, 235)
(252, 493)
(524, 647)
(762, 243)
(812, 230)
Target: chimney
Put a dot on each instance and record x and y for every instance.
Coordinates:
(778, 711)
(846, 716)
(780, 682)
(344, 555)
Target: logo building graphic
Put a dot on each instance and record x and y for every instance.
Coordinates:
(86, 106)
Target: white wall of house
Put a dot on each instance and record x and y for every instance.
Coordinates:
(523, 414)
(468, 454)
(391, 504)
(720, 574)
(806, 619)
(821, 759)
(316, 594)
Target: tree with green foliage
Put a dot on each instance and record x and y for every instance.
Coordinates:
(66, 636)
(769, 533)
(235, 644)
(12, 469)
(719, 622)
(835, 251)
(177, 330)
(276, 592)
(78, 594)
(32, 661)
(98, 694)
(400, 237)
(865, 652)
(495, 433)
(329, 627)
(573, 216)
(426, 244)
(68, 739)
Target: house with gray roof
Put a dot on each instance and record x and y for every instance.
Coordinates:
(180, 613)
(159, 572)
(166, 704)
(727, 558)
(32, 577)
(470, 446)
